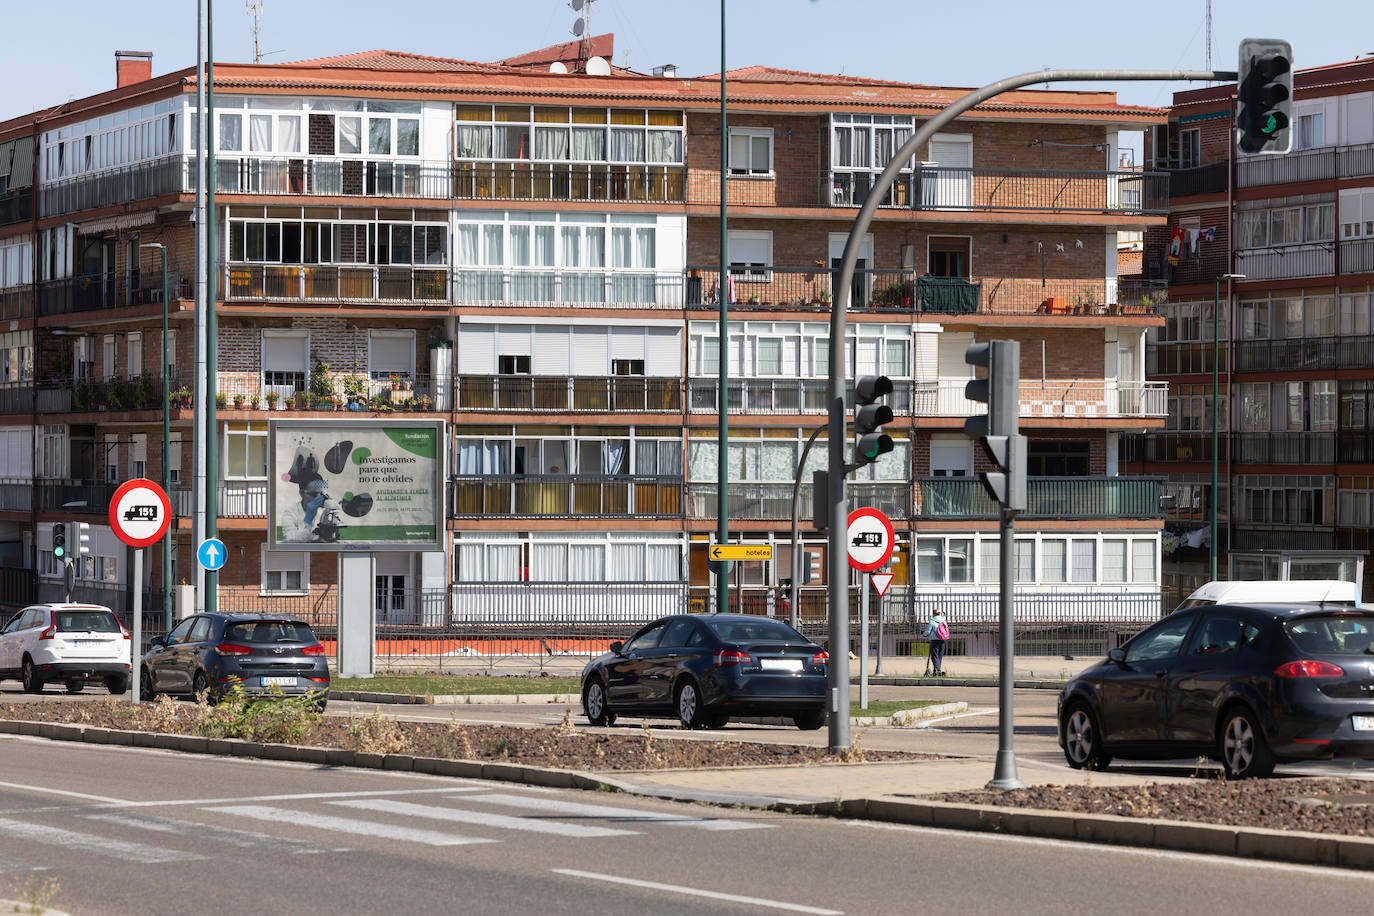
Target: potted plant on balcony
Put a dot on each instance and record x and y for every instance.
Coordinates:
(321, 383)
(81, 394)
(272, 397)
(114, 394)
(238, 401)
(180, 397)
(221, 400)
(423, 402)
(254, 401)
(302, 400)
(355, 391)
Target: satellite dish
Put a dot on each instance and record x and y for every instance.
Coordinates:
(597, 66)
(578, 27)
(558, 67)
(576, 4)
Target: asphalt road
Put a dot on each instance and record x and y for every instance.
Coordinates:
(135, 831)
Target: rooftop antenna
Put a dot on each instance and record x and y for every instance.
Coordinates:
(254, 8)
(582, 29)
(1209, 34)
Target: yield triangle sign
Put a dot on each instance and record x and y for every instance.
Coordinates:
(880, 582)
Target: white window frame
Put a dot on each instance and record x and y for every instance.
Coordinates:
(754, 270)
(748, 136)
(248, 431)
(284, 561)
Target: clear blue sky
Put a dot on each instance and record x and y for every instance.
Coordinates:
(958, 44)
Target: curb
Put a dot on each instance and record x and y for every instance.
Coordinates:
(1244, 842)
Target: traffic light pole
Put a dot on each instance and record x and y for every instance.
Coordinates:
(1004, 773)
(837, 603)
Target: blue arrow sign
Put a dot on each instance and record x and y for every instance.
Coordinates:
(211, 553)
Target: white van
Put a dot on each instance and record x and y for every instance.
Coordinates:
(1287, 591)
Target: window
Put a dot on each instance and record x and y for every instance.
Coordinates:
(627, 367)
(230, 132)
(513, 365)
(1160, 643)
(391, 353)
(285, 572)
(284, 360)
(1082, 561)
(751, 151)
(245, 451)
(1310, 131)
(1058, 458)
(1054, 560)
(751, 256)
(950, 457)
(1189, 148)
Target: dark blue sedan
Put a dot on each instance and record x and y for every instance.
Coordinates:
(705, 668)
(1250, 685)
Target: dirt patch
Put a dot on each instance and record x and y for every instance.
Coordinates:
(1344, 806)
(563, 747)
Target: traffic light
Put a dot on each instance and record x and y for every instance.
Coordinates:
(83, 538)
(998, 429)
(869, 442)
(1264, 96)
(59, 541)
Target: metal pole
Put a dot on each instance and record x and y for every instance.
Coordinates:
(202, 393)
(1004, 774)
(722, 392)
(167, 581)
(211, 324)
(796, 554)
(878, 668)
(837, 599)
(136, 637)
(1212, 497)
(863, 641)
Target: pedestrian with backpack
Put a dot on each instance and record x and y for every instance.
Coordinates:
(937, 631)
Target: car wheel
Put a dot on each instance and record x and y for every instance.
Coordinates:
(33, 683)
(116, 685)
(1083, 740)
(689, 711)
(146, 689)
(594, 703)
(75, 686)
(810, 721)
(1243, 750)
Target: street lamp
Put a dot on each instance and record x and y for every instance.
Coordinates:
(1216, 355)
(166, 442)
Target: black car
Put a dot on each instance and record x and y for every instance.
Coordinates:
(705, 668)
(212, 653)
(1249, 685)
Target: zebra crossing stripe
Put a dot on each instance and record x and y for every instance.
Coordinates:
(482, 818)
(85, 842)
(606, 812)
(348, 825)
(10, 866)
(248, 839)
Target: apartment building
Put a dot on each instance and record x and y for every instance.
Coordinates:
(1292, 349)
(533, 257)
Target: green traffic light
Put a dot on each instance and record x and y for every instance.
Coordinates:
(59, 552)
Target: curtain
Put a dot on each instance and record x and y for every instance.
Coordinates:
(467, 245)
(620, 248)
(589, 144)
(476, 457)
(503, 563)
(587, 563)
(1084, 561)
(1113, 560)
(543, 246)
(930, 561)
(777, 461)
(662, 563)
(665, 146)
(596, 247)
(1052, 559)
(703, 459)
(474, 143)
(1143, 561)
(520, 246)
(548, 562)
(613, 456)
(572, 246)
(627, 563)
(491, 236)
(627, 145)
(379, 136)
(230, 132)
(350, 135)
(470, 565)
(288, 134)
(551, 143)
(260, 133)
(644, 249)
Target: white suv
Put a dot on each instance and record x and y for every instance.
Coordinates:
(68, 643)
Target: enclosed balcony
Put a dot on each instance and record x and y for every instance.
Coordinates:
(590, 182)
(1173, 446)
(109, 290)
(1304, 353)
(156, 178)
(565, 496)
(16, 302)
(16, 206)
(579, 394)
(1320, 164)
(1287, 261)
(772, 502)
(964, 498)
(579, 289)
(16, 397)
(333, 177)
(1285, 448)
(330, 283)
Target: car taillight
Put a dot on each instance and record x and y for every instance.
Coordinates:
(123, 631)
(49, 632)
(229, 648)
(731, 657)
(316, 649)
(1308, 668)
(821, 658)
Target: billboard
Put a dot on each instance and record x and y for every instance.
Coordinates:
(365, 484)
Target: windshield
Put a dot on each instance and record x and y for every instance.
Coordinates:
(753, 630)
(268, 631)
(86, 622)
(1332, 634)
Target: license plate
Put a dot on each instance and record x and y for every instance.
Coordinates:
(1364, 723)
(780, 664)
(279, 681)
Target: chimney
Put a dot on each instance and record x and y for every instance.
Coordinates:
(133, 67)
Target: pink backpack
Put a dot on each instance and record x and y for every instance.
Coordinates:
(942, 630)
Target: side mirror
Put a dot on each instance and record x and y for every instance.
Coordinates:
(1117, 655)
(157, 642)
(617, 646)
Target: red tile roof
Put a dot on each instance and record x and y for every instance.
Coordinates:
(397, 60)
(601, 46)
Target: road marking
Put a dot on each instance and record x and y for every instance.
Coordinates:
(970, 713)
(1190, 858)
(71, 839)
(483, 818)
(697, 892)
(300, 796)
(28, 788)
(249, 839)
(553, 806)
(10, 866)
(349, 825)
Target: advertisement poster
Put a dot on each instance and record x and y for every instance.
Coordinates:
(355, 484)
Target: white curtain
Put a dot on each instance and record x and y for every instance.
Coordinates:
(596, 247)
(551, 143)
(520, 246)
(230, 132)
(379, 136)
(483, 457)
(474, 143)
(627, 145)
(572, 246)
(662, 564)
(587, 563)
(543, 246)
(703, 459)
(620, 248)
(491, 235)
(470, 563)
(407, 137)
(467, 245)
(665, 146)
(589, 144)
(503, 563)
(288, 134)
(644, 248)
(350, 135)
(613, 455)
(549, 562)
(260, 133)
(627, 562)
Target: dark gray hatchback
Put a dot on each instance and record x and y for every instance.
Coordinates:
(212, 653)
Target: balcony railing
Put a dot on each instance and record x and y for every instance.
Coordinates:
(568, 182)
(567, 288)
(782, 396)
(565, 496)
(1304, 353)
(1286, 448)
(811, 289)
(16, 206)
(332, 177)
(1319, 164)
(1183, 358)
(168, 175)
(16, 494)
(580, 394)
(16, 302)
(118, 394)
(773, 501)
(1046, 498)
(1205, 179)
(1173, 446)
(16, 397)
(355, 392)
(1355, 446)
(1286, 261)
(1356, 256)
(242, 499)
(330, 283)
(86, 498)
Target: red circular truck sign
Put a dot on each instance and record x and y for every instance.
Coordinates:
(140, 512)
(870, 539)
